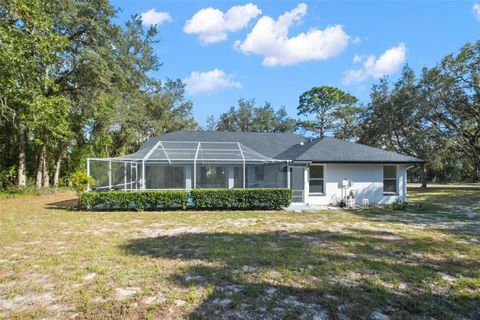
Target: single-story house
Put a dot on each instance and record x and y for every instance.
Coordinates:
(319, 171)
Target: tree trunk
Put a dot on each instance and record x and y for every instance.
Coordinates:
(40, 170)
(423, 175)
(45, 176)
(476, 172)
(38, 177)
(58, 164)
(21, 171)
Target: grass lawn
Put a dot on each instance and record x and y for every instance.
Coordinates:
(423, 263)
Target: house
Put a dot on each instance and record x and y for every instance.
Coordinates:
(319, 171)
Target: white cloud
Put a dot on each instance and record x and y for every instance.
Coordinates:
(210, 81)
(155, 17)
(212, 25)
(357, 58)
(388, 63)
(476, 10)
(269, 38)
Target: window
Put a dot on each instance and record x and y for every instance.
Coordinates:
(390, 179)
(316, 179)
(212, 177)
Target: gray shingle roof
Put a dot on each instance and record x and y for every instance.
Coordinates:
(336, 150)
(288, 146)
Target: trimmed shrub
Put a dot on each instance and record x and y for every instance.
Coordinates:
(139, 200)
(241, 198)
(201, 199)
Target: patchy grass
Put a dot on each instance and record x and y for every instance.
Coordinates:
(29, 191)
(421, 263)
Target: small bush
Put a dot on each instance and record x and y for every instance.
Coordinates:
(241, 198)
(80, 181)
(400, 205)
(139, 200)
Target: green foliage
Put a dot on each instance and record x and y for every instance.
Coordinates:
(7, 177)
(241, 198)
(399, 205)
(80, 181)
(247, 117)
(395, 120)
(75, 84)
(450, 102)
(139, 200)
(331, 108)
(201, 199)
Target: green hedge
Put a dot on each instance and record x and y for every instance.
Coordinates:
(139, 200)
(241, 198)
(200, 199)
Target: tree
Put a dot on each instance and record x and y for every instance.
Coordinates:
(75, 84)
(29, 50)
(211, 123)
(451, 101)
(163, 109)
(329, 106)
(347, 122)
(394, 120)
(247, 117)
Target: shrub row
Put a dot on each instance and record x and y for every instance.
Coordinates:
(241, 198)
(139, 200)
(202, 199)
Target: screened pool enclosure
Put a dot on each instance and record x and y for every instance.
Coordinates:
(188, 165)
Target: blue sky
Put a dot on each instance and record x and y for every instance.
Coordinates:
(224, 54)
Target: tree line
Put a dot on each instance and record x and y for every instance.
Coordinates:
(434, 116)
(74, 84)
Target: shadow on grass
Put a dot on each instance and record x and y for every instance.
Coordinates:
(69, 204)
(446, 196)
(453, 211)
(307, 274)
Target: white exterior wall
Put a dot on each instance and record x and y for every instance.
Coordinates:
(367, 183)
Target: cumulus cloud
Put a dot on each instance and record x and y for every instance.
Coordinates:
(155, 17)
(476, 10)
(269, 38)
(212, 25)
(388, 63)
(210, 81)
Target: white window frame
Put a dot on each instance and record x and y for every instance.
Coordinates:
(390, 179)
(316, 179)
